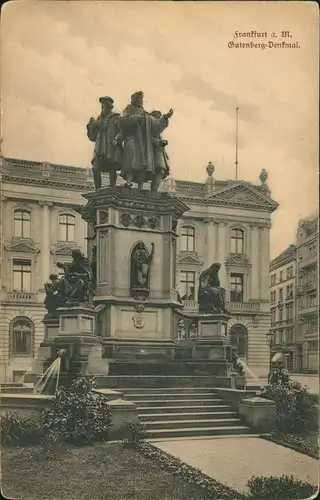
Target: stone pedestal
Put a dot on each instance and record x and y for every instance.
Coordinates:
(77, 336)
(123, 413)
(212, 342)
(258, 413)
(138, 321)
(51, 331)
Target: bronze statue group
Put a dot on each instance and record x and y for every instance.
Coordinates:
(129, 143)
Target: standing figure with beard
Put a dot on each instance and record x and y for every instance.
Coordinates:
(139, 128)
(105, 133)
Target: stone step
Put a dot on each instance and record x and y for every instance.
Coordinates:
(177, 402)
(146, 410)
(161, 381)
(16, 390)
(198, 431)
(168, 390)
(187, 424)
(168, 395)
(150, 417)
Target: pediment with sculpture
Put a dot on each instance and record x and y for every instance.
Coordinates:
(22, 245)
(190, 258)
(241, 194)
(237, 260)
(62, 249)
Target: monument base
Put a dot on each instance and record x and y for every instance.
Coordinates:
(208, 353)
(76, 339)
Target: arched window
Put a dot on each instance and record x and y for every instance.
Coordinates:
(21, 332)
(237, 241)
(22, 224)
(66, 227)
(238, 339)
(187, 239)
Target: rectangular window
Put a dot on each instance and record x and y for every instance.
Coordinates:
(281, 276)
(281, 339)
(187, 239)
(289, 312)
(22, 275)
(280, 315)
(237, 239)
(22, 224)
(281, 294)
(66, 227)
(312, 300)
(236, 288)
(187, 285)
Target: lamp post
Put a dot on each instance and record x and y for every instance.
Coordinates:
(271, 341)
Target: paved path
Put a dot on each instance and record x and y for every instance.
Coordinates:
(233, 461)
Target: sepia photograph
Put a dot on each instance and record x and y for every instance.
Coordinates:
(159, 253)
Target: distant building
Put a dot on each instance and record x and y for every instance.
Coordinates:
(228, 222)
(294, 300)
(307, 294)
(282, 304)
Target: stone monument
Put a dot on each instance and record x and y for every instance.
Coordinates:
(122, 300)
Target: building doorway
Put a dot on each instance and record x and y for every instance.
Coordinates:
(238, 340)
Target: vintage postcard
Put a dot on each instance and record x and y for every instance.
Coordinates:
(159, 331)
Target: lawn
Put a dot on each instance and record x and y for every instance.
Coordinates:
(101, 471)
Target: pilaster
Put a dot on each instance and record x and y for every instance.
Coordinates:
(45, 240)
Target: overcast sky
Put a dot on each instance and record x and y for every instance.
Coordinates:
(59, 57)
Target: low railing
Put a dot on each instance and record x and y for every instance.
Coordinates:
(310, 285)
(308, 261)
(22, 297)
(192, 305)
(309, 309)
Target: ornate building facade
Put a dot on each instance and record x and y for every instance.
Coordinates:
(307, 293)
(294, 298)
(228, 222)
(282, 303)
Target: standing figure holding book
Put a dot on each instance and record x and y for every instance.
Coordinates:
(105, 133)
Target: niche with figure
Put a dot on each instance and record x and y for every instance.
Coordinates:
(140, 263)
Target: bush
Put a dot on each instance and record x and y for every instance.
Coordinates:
(280, 488)
(136, 433)
(16, 429)
(295, 440)
(77, 414)
(296, 411)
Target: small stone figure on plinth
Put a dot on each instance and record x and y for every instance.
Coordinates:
(210, 182)
(105, 133)
(263, 179)
(141, 259)
(143, 161)
(211, 294)
(74, 288)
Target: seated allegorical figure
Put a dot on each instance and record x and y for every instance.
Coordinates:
(74, 287)
(53, 299)
(210, 293)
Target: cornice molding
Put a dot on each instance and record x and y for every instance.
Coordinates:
(50, 183)
(133, 199)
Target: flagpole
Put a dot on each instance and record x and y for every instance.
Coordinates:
(237, 128)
